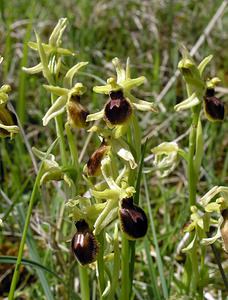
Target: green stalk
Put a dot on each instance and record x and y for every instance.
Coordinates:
(157, 249)
(136, 201)
(23, 239)
(192, 176)
(116, 264)
(192, 181)
(84, 282)
(25, 230)
(192, 186)
(124, 295)
(83, 274)
(73, 148)
(195, 270)
(100, 264)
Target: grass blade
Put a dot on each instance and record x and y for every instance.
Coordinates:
(34, 254)
(158, 255)
(27, 262)
(152, 270)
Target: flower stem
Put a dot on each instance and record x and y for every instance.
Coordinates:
(192, 176)
(25, 230)
(83, 274)
(100, 264)
(192, 181)
(23, 239)
(116, 264)
(125, 269)
(195, 270)
(192, 186)
(218, 261)
(84, 281)
(73, 147)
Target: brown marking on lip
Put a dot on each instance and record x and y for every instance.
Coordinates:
(94, 162)
(84, 244)
(133, 219)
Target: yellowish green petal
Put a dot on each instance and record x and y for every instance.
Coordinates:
(204, 63)
(33, 70)
(56, 109)
(44, 59)
(190, 102)
(56, 35)
(131, 83)
(56, 90)
(144, 105)
(96, 116)
(71, 73)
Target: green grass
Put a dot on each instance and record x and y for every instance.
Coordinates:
(149, 32)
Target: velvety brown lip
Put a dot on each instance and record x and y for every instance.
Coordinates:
(84, 245)
(133, 219)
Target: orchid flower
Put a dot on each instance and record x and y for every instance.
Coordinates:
(120, 106)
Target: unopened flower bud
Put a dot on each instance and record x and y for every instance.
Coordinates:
(84, 244)
(94, 162)
(76, 113)
(224, 229)
(117, 109)
(133, 219)
(214, 108)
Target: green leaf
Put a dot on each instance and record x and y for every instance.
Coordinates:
(157, 249)
(27, 262)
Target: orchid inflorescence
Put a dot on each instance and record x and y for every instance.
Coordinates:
(111, 197)
(212, 213)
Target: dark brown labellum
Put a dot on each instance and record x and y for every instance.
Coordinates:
(77, 113)
(84, 244)
(210, 92)
(117, 109)
(214, 108)
(94, 163)
(133, 219)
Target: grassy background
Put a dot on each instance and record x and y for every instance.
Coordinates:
(149, 32)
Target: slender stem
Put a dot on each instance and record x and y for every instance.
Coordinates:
(136, 201)
(125, 269)
(73, 147)
(23, 239)
(195, 270)
(100, 264)
(192, 186)
(192, 176)
(25, 229)
(84, 281)
(218, 261)
(157, 249)
(192, 182)
(83, 274)
(116, 264)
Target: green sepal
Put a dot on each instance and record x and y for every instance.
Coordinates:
(204, 63)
